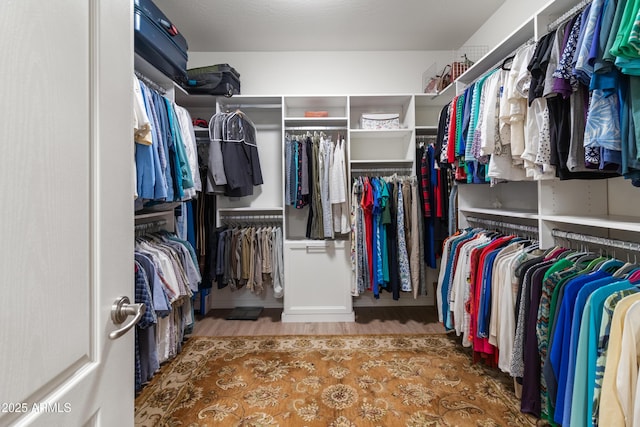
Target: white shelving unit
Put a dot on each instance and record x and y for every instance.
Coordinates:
(605, 208)
(317, 272)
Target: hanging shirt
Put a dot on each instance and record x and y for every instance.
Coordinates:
(403, 257)
(141, 123)
(338, 190)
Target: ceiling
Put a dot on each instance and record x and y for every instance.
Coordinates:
(327, 25)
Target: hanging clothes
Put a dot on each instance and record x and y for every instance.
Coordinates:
(546, 317)
(166, 163)
(233, 160)
(338, 189)
(250, 257)
(166, 276)
(316, 177)
(564, 109)
(384, 256)
(433, 185)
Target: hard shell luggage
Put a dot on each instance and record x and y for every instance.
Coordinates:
(220, 79)
(158, 41)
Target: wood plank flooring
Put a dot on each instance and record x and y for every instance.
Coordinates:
(369, 320)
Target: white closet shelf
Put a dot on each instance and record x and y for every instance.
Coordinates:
(235, 102)
(510, 213)
(615, 222)
(494, 57)
(150, 215)
(436, 99)
(157, 211)
(316, 243)
(381, 162)
(146, 69)
(380, 133)
(427, 129)
(322, 120)
(367, 101)
(252, 209)
(322, 123)
(315, 102)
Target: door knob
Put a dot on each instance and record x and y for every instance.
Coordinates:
(120, 310)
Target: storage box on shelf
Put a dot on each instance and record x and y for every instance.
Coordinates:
(402, 105)
(335, 107)
(382, 147)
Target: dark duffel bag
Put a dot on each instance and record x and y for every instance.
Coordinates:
(158, 41)
(220, 79)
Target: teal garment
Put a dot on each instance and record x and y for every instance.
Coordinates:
(621, 47)
(385, 220)
(630, 148)
(603, 344)
(606, 23)
(628, 66)
(587, 354)
(634, 87)
(459, 116)
(182, 176)
(473, 119)
(617, 19)
(634, 37)
(377, 238)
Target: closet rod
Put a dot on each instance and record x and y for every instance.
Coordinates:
(149, 227)
(247, 106)
(568, 15)
(250, 218)
(601, 241)
(153, 85)
(316, 128)
(423, 138)
(502, 224)
(384, 170)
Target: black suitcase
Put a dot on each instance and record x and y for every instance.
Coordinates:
(221, 79)
(158, 41)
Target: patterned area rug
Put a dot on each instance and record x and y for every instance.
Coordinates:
(320, 381)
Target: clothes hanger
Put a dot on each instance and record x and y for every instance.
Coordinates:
(507, 60)
(634, 277)
(628, 267)
(231, 117)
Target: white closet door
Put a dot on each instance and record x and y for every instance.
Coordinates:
(66, 210)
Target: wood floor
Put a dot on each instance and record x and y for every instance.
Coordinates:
(369, 320)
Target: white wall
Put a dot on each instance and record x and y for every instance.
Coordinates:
(362, 72)
(324, 73)
(504, 21)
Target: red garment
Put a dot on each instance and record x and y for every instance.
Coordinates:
(367, 208)
(425, 181)
(481, 345)
(469, 306)
(451, 146)
(438, 190)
